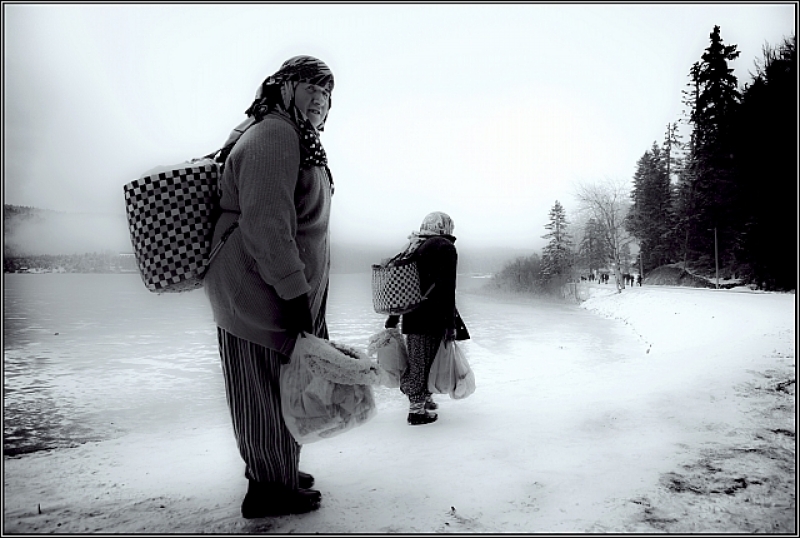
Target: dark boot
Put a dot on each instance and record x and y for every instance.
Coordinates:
(306, 480)
(271, 500)
(416, 419)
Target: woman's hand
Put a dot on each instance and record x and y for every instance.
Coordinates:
(391, 322)
(298, 315)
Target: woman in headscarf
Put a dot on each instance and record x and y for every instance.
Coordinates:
(269, 282)
(436, 318)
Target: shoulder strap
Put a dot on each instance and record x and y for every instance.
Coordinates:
(219, 245)
(221, 155)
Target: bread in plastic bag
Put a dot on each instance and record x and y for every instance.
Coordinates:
(326, 389)
(389, 348)
(450, 372)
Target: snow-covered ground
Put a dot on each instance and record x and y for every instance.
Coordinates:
(657, 409)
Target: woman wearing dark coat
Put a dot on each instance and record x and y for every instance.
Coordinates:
(269, 281)
(436, 318)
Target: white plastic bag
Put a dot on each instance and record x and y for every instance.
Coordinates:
(450, 372)
(389, 347)
(465, 377)
(326, 389)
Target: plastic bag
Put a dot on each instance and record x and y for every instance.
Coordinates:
(326, 389)
(389, 347)
(465, 377)
(450, 372)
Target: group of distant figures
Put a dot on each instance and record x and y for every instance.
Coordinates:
(602, 278)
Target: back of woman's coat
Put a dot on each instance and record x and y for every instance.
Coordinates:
(437, 261)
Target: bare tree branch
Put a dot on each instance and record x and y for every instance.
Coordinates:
(608, 202)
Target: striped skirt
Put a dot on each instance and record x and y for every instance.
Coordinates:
(252, 387)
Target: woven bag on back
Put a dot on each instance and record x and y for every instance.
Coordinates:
(396, 287)
(171, 216)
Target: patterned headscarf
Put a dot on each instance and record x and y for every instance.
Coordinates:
(297, 69)
(436, 223)
(278, 91)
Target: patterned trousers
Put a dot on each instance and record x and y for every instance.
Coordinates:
(421, 351)
(252, 387)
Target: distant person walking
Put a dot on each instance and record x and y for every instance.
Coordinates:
(437, 318)
(269, 282)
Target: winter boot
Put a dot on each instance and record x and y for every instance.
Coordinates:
(306, 480)
(271, 500)
(418, 416)
(430, 405)
(417, 419)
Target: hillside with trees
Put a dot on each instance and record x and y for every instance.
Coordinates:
(734, 190)
(722, 204)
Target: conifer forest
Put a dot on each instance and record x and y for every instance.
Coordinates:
(722, 199)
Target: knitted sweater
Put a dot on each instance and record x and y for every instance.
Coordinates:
(280, 249)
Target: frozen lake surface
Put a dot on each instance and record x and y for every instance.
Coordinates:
(95, 356)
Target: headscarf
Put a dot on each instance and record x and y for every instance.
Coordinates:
(278, 91)
(436, 223)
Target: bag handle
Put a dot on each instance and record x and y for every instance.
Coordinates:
(410, 259)
(425, 295)
(223, 155)
(219, 245)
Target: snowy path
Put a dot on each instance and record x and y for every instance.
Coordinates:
(575, 423)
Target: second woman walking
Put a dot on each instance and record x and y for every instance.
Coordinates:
(436, 318)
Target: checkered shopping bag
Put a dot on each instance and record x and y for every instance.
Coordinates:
(171, 215)
(396, 287)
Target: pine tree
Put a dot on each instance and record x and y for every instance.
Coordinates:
(557, 255)
(683, 202)
(714, 189)
(673, 159)
(766, 166)
(671, 148)
(706, 189)
(649, 220)
(691, 94)
(719, 96)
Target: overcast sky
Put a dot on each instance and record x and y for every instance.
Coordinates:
(488, 112)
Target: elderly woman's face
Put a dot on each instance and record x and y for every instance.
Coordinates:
(313, 101)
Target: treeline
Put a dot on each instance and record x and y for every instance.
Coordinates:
(547, 273)
(15, 214)
(727, 196)
(12, 211)
(102, 262)
(717, 203)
